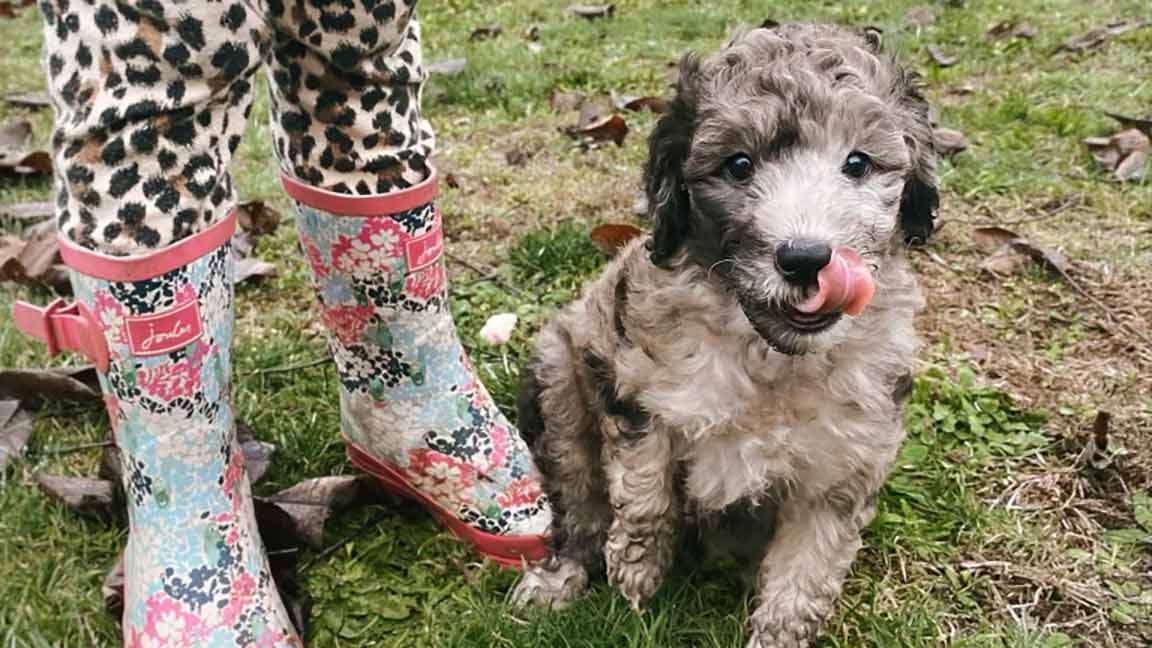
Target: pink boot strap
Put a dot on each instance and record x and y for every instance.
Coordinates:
(63, 327)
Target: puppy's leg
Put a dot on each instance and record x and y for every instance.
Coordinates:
(643, 535)
(804, 569)
(566, 444)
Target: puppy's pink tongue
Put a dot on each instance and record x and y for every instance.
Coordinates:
(845, 284)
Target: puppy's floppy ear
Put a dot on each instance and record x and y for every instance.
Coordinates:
(920, 199)
(668, 201)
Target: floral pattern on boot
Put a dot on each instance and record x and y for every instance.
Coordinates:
(408, 393)
(196, 573)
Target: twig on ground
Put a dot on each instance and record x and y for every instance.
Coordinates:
(76, 448)
(292, 367)
(486, 275)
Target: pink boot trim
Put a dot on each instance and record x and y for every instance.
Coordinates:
(507, 551)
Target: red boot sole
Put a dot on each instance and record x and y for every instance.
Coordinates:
(508, 551)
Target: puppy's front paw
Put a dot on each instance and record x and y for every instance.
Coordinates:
(551, 584)
(778, 630)
(636, 565)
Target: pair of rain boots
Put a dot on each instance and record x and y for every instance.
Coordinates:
(159, 329)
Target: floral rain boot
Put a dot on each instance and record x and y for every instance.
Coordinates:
(414, 415)
(159, 328)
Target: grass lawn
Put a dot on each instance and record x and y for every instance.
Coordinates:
(994, 530)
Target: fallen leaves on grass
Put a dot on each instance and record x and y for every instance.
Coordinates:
(948, 142)
(598, 121)
(1095, 452)
(1011, 29)
(15, 159)
(1124, 155)
(9, 8)
(34, 260)
(1142, 124)
(486, 32)
(517, 156)
(940, 58)
(1010, 253)
(309, 502)
(84, 495)
(257, 217)
(34, 387)
(448, 67)
(654, 104)
(15, 429)
(1094, 38)
(28, 99)
(612, 238)
(592, 12)
(253, 268)
(561, 101)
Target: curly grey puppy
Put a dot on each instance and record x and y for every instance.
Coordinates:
(742, 371)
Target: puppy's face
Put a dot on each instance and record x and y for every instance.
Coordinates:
(802, 166)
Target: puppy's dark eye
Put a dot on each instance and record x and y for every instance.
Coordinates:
(857, 165)
(739, 166)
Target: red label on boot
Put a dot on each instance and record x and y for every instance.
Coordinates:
(165, 331)
(424, 250)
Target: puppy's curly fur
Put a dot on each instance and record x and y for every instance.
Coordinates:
(677, 393)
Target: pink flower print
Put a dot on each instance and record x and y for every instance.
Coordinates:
(233, 473)
(240, 597)
(519, 492)
(171, 380)
(185, 294)
(442, 477)
(168, 623)
(347, 323)
(319, 267)
(500, 443)
(367, 254)
(110, 315)
(425, 284)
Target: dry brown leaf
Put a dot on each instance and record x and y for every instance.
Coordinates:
(14, 137)
(591, 11)
(612, 238)
(449, 67)
(611, 128)
(939, 57)
(28, 99)
(283, 544)
(15, 160)
(949, 142)
(1004, 261)
(94, 497)
(257, 217)
(15, 429)
(1096, 37)
(594, 109)
(252, 268)
(485, 32)
(1051, 260)
(990, 239)
(1011, 28)
(517, 156)
(1142, 124)
(34, 387)
(10, 8)
(657, 105)
(309, 502)
(1132, 168)
(565, 101)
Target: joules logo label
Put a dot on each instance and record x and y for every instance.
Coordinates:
(163, 332)
(424, 250)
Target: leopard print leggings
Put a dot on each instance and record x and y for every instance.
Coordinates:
(152, 97)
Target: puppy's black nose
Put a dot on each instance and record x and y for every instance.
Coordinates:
(800, 260)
